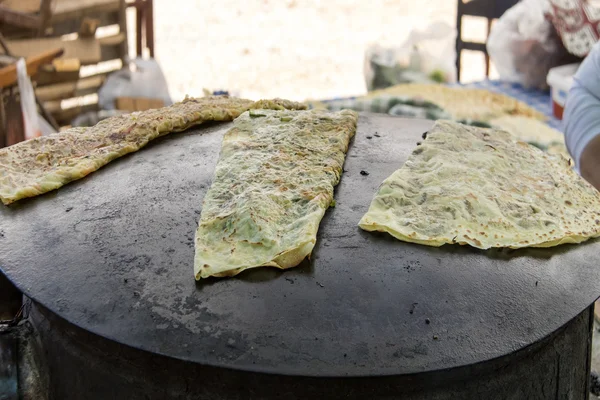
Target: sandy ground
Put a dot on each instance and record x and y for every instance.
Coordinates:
(296, 49)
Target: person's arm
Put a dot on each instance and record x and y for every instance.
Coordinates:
(590, 162)
(582, 118)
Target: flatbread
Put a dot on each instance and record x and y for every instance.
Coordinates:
(484, 188)
(534, 132)
(273, 182)
(464, 103)
(46, 163)
(559, 149)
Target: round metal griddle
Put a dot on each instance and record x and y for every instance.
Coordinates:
(113, 254)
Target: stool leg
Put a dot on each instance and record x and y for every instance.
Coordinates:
(139, 17)
(150, 28)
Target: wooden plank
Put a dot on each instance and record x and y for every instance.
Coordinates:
(86, 50)
(111, 46)
(48, 77)
(52, 106)
(125, 103)
(69, 9)
(145, 103)
(137, 103)
(14, 32)
(25, 6)
(111, 52)
(44, 77)
(112, 40)
(8, 75)
(6, 60)
(72, 25)
(57, 106)
(45, 14)
(64, 117)
(88, 27)
(19, 19)
(66, 64)
(66, 90)
(102, 68)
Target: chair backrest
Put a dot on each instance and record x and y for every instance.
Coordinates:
(489, 9)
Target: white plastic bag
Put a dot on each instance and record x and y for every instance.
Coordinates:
(425, 56)
(143, 78)
(523, 45)
(436, 47)
(28, 106)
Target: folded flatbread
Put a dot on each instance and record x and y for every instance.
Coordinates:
(46, 163)
(273, 182)
(463, 103)
(484, 188)
(534, 132)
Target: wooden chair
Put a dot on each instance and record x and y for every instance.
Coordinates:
(489, 9)
(33, 26)
(20, 18)
(144, 26)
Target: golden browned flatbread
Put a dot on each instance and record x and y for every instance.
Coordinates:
(534, 132)
(464, 103)
(46, 163)
(484, 188)
(273, 182)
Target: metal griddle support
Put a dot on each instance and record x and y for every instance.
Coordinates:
(112, 254)
(9, 387)
(554, 368)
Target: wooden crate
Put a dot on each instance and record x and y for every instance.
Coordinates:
(93, 35)
(137, 103)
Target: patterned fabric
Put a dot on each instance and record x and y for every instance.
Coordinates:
(578, 24)
(394, 105)
(398, 106)
(538, 99)
(535, 98)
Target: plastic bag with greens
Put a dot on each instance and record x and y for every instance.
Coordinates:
(426, 56)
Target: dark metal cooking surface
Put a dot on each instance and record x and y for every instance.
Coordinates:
(113, 254)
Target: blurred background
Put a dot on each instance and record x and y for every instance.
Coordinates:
(507, 64)
(90, 59)
(296, 49)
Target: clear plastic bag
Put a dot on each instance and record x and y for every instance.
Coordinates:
(523, 45)
(143, 78)
(426, 56)
(28, 106)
